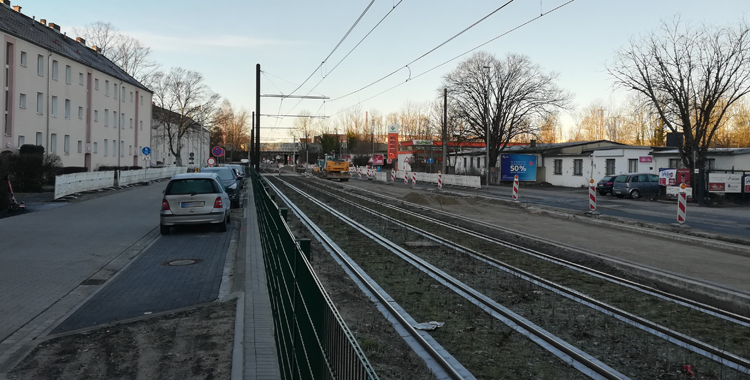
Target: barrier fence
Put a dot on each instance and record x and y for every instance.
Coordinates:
(312, 340)
(78, 182)
(448, 179)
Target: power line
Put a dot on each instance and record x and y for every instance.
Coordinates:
(427, 53)
(456, 57)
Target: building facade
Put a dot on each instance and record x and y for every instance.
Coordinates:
(194, 145)
(67, 97)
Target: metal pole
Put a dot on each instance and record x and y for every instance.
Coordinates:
(445, 129)
(257, 117)
(251, 154)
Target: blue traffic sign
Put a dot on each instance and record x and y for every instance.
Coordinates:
(146, 150)
(217, 151)
(429, 160)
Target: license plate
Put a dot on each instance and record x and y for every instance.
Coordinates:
(191, 204)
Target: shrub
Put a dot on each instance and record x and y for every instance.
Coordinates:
(29, 171)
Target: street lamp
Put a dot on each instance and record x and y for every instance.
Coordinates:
(487, 133)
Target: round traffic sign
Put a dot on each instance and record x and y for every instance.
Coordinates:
(146, 150)
(211, 161)
(217, 151)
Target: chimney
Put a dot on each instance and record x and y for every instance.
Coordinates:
(43, 21)
(81, 41)
(5, 2)
(95, 48)
(532, 144)
(55, 27)
(17, 8)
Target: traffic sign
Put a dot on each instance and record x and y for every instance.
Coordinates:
(211, 161)
(429, 160)
(146, 150)
(217, 151)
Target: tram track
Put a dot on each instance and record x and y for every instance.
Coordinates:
(695, 345)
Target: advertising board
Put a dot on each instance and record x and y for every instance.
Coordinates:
(392, 141)
(376, 159)
(725, 182)
(747, 183)
(521, 165)
(668, 177)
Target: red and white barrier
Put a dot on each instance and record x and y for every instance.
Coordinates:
(592, 196)
(440, 180)
(368, 173)
(515, 189)
(393, 176)
(682, 205)
(359, 172)
(413, 178)
(406, 178)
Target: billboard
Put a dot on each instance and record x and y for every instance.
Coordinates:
(392, 141)
(376, 159)
(747, 183)
(521, 165)
(725, 182)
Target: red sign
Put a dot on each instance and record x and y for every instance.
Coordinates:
(645, 159)
(376, 159)
(211, 161)
(392, 145)
(217, 151)
(717, 186)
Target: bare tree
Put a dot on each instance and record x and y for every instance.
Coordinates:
(233, 125)
(125, 51)
(691, 76)
(501, 99)
(182, 97)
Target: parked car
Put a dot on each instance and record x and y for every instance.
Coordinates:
(604, 186)
(194, 198)
(636, 185)
(240, 171)
(229, 180)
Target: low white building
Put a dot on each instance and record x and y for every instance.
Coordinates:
(195, 141)
(67, 97)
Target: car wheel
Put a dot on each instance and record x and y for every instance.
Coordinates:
(164, 230)
(635, 194)
(602, 192)
(223, 226)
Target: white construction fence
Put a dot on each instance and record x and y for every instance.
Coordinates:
(448, 179)
(78, 182)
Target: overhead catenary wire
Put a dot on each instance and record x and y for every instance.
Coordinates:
(448, 61)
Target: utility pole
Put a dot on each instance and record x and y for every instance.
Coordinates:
(445, 129)
(251, 154)
(257, 117)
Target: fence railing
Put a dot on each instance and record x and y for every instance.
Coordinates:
(312, 339)
(78, 182)
(448, 179)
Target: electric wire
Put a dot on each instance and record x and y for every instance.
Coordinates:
(450, 60)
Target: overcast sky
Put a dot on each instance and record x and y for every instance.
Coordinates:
(224, 40)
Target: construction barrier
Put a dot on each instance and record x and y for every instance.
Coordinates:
(414, 178)
(406, 178)
(393, 176)
(682, 205)
(68, 184)
(592, 196)
(515, 188)
(440, 180)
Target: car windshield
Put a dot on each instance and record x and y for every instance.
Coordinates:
(621, 178)
(607, 179)
(224, 173)
(191, 186)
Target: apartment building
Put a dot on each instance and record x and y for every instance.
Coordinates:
(67, 97)
(194, 145)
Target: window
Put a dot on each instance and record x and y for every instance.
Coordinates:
(130, 150)
(39, 138)
(141, 99)
(80, 146)
(22, 101)
(558, 166)
(114, 148)
(122, 148)
(80, 112)
(96, 147)
(66, 144)
(96, 115)
(54, 70)
(479, 162)
(115, 91)
(80, 79)
(40, 65)
(96, 84)
(54, 106)
(141, 126)
(465, 163)
(21, 141)
(106, 88)
(106, 147)
(67, 108)
(674, 163)
(39, 103)
(53, 143)
(610, 166)
(24, 59)
(711, 164)
(68, 74)
(131, 123)
(122, 121)
(114, 118)
(632, 165)
(123, 94)
(131, 96)
(106, 117)
(578, 166)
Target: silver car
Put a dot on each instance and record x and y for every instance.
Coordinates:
(194, 198)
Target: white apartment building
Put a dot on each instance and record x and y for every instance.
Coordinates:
(195, 141)
(67, 97)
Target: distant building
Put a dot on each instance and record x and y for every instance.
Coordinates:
(196, 140)
(67, 97)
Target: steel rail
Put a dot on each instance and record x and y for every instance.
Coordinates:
(692, 344)
(696, 305)
(600, 370)
(324, 239)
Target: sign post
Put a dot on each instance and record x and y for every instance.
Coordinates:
(146, 151)
(211, 161)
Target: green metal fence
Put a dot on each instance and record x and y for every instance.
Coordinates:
(312, 340)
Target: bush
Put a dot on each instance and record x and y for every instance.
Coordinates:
(29, 171)
(72, 169)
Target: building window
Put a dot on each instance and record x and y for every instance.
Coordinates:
(96, 115)
(130, 150)
(711, 164)
(96, 84)
(141, 99)
(141, 126)
(106, 117)
(114, 148)
(674, 163)
(80, 146)
(131, 96)
(122, 120)
(53, 143)
(24, 59)
(115, 91)
(122, 148)
(106, 147)
(22, 101)
(80, 112)
(632, 165)
(96, 147)
(66, 144)
(131, 123)
(479, 162)
(39, 103)
(68, 74)
(123, 93)
(39, 138)
(610, 166)
(114, 118)
(54, 106)
(80, 79)
(578, 166)
(465, 163)
(106, 88)
(54, 70)
(67, 108)
(21, 141)
(40, 65)
(558, 166)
